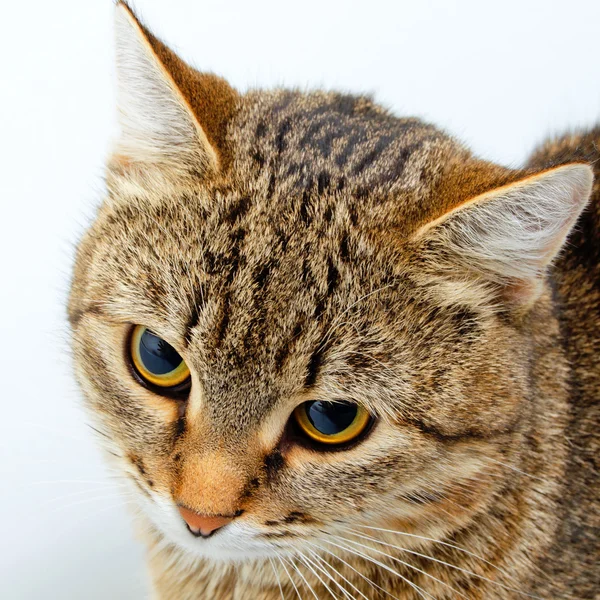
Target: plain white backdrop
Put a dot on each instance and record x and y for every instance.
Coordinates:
(501, 76)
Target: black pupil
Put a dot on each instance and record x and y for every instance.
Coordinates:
(158, 356)
(331, 417)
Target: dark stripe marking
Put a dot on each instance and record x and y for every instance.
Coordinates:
(313, 367)
(179, 427)
(332, 277)
(323, 182)
(274, 462)
(238, 210)
(284, 129)
(344, 250)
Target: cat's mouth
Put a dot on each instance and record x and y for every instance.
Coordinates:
(223, 538)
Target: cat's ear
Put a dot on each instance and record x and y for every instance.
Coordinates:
(169, 114)
(510, 235)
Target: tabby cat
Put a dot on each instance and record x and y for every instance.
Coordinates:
(335, 354)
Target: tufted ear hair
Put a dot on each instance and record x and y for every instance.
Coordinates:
(511, 234)
(169, 114)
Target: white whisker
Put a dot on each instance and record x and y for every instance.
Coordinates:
(323, 566)
(371, 583)
(94, 499)
(277, 576)
(73, 494)
(419, 590)
(440, 542)
(292, 564)
(466, 571)
(66, 481)
(280, 559)
(307, 562)
(437, 560)
(406, 564)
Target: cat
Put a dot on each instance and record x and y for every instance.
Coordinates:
(333, 353)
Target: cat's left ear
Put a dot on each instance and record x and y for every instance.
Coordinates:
(171, 116)
(509, 235)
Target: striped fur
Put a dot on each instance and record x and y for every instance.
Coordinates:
(295, 246)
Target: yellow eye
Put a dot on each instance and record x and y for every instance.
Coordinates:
(332, 422)
(156, 361)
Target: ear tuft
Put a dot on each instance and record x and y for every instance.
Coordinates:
(510, 235)
(158, 126)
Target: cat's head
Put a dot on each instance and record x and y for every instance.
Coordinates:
(354, 298)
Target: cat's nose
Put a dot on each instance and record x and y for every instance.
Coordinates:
(203, 525)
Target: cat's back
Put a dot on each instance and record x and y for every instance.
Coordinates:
(576, 276)
(576, 273)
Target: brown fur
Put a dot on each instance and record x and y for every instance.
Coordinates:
(297, 271)
(574, 557)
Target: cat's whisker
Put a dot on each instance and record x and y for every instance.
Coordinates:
(418, 589)
(280, 559)
(63, 460)
(402, 562)
(67, 482)
(435, 541)
(466, 571)
(295, 567)
(73, 494)
(450, 516)
(277, 577)
(305, 560)
(16, 462)
(94, 499)
(535, 490)
(371, 583)
(436, 560)
(323, 566)
(336, 571)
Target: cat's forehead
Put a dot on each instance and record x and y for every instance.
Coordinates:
(337, 146)
(310, 174)
(238, 276)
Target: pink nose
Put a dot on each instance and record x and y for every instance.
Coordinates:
(202, 525)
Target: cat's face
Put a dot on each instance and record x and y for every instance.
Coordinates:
(296, 249)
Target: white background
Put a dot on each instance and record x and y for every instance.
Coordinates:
(501, 76)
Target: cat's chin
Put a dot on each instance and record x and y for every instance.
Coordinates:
(231, 550)
(237, 542)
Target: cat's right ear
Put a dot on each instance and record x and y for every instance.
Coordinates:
(172, 118)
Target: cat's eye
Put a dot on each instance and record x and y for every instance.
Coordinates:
(332, 423)
(156, 361)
